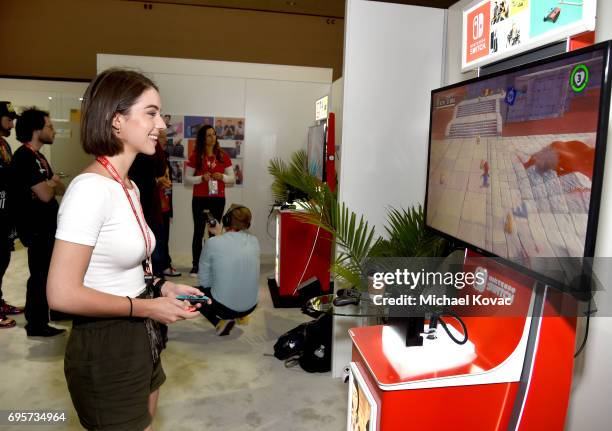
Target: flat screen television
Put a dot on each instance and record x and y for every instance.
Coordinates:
(316, 151)
(516, 162)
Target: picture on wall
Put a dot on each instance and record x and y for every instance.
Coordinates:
(499, 11)
(513, 35)
(238, 172)
(175, 133)
(229, 128)
(229, 150)
(509, 26)
(178, 169)
(547, 15)
(175, 149)
(194, 123)
(518, 6)
(232, 148)
(182, 133)
(239, 147)
(362, 407)
(174, 125)
(494, 44)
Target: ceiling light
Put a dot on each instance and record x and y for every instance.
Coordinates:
(50, 98)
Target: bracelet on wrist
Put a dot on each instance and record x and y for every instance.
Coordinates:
(131, 306)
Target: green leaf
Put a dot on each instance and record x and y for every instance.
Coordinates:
(355, 240)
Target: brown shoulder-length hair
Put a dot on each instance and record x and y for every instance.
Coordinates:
(201, 143)
(112, 91)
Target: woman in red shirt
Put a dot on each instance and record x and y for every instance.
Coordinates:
(209, 169)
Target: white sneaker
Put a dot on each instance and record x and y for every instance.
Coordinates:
(171, 272)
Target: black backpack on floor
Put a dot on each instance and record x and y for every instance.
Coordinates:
(316, 355)
(290, 344)
(308, 344)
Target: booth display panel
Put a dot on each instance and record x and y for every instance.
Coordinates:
(514, 373)
(303, 254)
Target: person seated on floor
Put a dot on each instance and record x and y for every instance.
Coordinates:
(229, 271)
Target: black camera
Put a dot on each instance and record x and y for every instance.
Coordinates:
(210, 220)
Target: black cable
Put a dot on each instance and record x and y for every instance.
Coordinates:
(452, 314)
(586, 331)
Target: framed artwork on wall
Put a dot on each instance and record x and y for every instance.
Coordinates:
(182, 131)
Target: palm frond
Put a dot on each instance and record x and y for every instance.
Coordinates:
(408, 235)
(355, 239)
(351, 275)
(292, 177)
(352, 235)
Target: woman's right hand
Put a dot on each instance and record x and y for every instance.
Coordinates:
(206, 176)
(169, 310)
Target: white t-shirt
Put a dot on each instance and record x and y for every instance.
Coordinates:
(95, 212)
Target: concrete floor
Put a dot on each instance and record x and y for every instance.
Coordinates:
(214, 383)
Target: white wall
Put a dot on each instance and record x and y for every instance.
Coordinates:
(25, 93)
(277, 103)
(590, 397)
(388, 74)
(393, 58)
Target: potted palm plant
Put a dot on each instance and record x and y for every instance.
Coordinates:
(355, 240)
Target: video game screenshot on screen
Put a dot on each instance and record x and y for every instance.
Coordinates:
(512, 159)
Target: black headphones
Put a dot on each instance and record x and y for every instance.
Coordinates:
(226, 220)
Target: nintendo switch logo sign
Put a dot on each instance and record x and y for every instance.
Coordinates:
(485, 282)
(478, 26)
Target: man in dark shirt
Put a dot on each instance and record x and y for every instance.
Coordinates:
(7, 231)
(35, 189)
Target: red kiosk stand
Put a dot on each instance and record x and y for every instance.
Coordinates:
(303, 254)
(303, 251)
(514, 373)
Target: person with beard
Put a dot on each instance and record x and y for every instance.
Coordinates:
(7, 231)
(36, 187)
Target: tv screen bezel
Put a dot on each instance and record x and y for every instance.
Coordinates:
(598, 167)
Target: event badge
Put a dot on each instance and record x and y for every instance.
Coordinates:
(213, 187)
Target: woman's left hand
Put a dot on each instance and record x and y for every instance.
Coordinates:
(173, 290)
(217, 176)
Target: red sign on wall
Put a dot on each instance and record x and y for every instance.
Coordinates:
(478, 29)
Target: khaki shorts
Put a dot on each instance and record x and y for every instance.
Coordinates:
(110, 373)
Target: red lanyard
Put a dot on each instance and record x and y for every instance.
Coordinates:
(144, 229)
(41, 159)
(211, 165)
